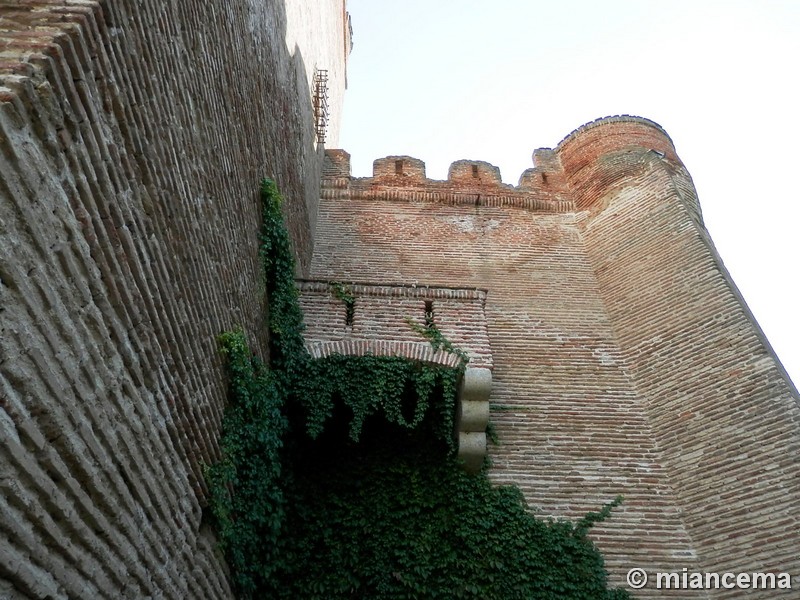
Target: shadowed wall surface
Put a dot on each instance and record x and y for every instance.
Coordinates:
(134, 136)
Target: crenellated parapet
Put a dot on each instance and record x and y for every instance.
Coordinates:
(469, 182)
(572, 177)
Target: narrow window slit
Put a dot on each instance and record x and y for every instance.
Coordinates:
(349, 312)
(398, 167)
(474, 170)
(429, 314)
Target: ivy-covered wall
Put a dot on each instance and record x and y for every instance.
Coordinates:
(129, 216)
(339, 477)
(573, 427)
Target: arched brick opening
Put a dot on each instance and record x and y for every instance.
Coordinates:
(472, 403)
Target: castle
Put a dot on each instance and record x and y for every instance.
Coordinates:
(609, 346)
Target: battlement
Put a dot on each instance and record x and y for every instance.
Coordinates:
(563, 179)
(403, 178)
(403, 169)
(474, 172)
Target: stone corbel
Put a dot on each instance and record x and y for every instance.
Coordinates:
(473, 417)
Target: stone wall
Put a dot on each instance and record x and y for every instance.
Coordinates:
(134, 136)
(624, 361)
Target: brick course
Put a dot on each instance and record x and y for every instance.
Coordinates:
(624, 361)
(133, 138)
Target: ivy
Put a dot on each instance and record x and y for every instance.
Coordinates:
(246, 492)
(395, 517)
(339, 476)
(437, 339)
(400, 390)
(288, 357)
(345, 294)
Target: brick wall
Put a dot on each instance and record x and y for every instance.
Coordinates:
(381, 320)
(574, 431)
(625, 362)
(720, 405)
(134, 136)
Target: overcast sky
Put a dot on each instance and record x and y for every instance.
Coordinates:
(492, 80)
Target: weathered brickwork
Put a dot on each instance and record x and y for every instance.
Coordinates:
(722, 409)
(602, 291)
(382, 318)
(133, 136)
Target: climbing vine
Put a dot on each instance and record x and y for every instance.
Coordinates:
(437, 340)
(345, 294)
(400, 390)
(246, 487)
(339, 476)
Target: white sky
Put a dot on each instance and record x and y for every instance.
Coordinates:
(443, 80)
